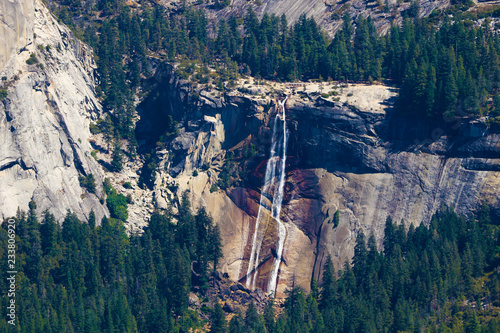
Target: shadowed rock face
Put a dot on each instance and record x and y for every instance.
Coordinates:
(44, 121)
(340, 158)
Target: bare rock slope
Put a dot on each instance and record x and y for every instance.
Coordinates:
(44, 121)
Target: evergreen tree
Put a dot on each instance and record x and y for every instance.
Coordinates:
(269, 317)
(219, 324)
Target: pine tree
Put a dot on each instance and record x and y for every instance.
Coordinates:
(237, 323)
(117, 160)
(389, 237)
(91, 220)
(219, 324)
(253, 321)
(360, 254)
(329, 286)
(269, 317)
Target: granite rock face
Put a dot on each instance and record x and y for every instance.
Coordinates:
(353, 162)
(349, 155)
(342, 158)
(44, 121)
(16, 28)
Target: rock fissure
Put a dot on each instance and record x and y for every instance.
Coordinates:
(19, 162)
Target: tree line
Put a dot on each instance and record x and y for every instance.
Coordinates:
(443, 277)
(446, 67)
(84, 277)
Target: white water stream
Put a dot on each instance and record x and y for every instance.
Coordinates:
(272, 193)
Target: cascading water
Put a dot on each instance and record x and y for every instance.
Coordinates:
(275, 172)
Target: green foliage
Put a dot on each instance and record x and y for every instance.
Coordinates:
(336, 219)
(117, 205)
(254, 322)
(94, 128)
(237, 323)
(443, 68)
(32, 59)
(87, 182)
(425, 280)
(219, 324)
(82, 278)
(116, 162)
(421, 273)
(3, 94)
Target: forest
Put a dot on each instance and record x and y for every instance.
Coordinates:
(445, 65)
(81, 277)
(93, 277)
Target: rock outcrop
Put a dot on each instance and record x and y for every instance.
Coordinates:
(344, 155)
(44, 121)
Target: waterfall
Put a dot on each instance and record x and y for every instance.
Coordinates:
(275, 172)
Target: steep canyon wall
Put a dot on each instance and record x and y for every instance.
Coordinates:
(341, 158)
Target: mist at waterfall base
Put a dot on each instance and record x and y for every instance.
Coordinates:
(270, 202)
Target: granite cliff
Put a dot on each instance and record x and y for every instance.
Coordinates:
(328, 13)
(345, 154)
(44, 119)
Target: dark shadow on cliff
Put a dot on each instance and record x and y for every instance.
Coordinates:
(158, 118)
(460, 137)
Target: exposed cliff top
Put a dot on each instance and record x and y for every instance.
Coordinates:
(374, 98)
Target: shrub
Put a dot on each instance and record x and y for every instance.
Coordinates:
(127, 185)
(87, 182)
(107, 186)
(117, 162)
(94, 129)
(32, 59)
(117, 205)
(336, 219)
(129, 199)
(3, 94)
